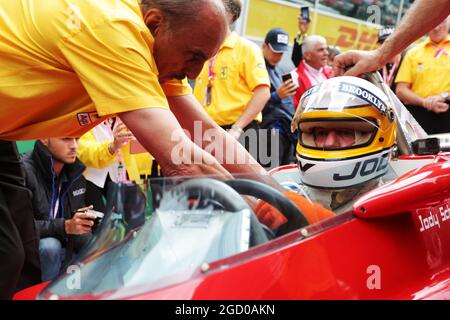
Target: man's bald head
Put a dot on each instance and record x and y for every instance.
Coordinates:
(187, 33)
(182, 13)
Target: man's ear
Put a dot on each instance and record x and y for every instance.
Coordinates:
(307, 55)
(44, 142)
(153, 18)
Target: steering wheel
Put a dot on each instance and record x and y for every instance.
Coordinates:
(295, 218)
(223, 196)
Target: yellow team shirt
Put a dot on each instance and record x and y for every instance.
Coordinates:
(67, 64)
(96, 155)
(427, 68)
(239, 68)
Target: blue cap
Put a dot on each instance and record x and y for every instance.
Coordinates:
(278, 40)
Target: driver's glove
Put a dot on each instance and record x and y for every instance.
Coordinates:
(273, 218)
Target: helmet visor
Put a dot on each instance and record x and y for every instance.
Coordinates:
(337, 134)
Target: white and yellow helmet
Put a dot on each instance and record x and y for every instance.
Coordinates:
(340, 103)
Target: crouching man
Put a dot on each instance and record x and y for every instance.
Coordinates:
(55, 177)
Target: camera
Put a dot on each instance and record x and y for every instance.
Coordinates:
(286, 77)
(293, 75)
(426, 146)
(98, 217)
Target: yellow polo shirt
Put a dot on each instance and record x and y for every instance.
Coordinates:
(239, 68)
(425, 69)
(96, 155)
(66, 64)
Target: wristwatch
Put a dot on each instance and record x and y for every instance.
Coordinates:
(444, 95)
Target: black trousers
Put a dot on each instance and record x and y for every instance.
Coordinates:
(249, 138)
(279, 150)
(431, 122)
(19, 240)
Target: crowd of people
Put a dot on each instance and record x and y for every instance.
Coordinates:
(97, 102)
(232, 86)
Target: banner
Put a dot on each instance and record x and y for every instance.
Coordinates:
(347, 33)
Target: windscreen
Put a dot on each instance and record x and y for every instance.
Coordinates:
(156, 235)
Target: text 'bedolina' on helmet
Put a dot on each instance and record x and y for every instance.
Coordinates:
(346, 133)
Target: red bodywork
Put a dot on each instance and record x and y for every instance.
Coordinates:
(390, 249)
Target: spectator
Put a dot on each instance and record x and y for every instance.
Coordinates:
(313, 69)
(105, 150)
(82, 62)
(85, 61)
(303, 26)
(279, 110)
(389, 70)
(19, 242)
(55, 177)
(423, 82)
(333, 51)
(233, 87)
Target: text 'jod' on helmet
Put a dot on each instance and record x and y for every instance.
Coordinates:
(344, 105)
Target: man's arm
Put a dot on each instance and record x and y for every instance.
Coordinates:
(432, 103)
(261, 95)
(297, 54)
(423, 16)
(229, 151)
(189, 111)
(404, 93)
(159, 132)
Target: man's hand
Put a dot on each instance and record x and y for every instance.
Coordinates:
(303, 24)
(273, 218)
(80, 223)
(287, 89)
(235, 132)
(354, 62)
(435, 103)
(121, 137)
(159, 132)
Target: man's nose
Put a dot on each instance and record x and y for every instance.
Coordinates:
(73, 143)
(331, 139)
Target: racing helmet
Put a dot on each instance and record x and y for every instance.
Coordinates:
(346, 133)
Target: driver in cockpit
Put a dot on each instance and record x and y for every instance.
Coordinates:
(346, 135)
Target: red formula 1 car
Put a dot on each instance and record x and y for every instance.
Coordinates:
(198, 239)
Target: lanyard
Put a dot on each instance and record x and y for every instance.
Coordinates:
(56, 207)
(388, 78)
(211, 73)
(440, 51)
(311, 74)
